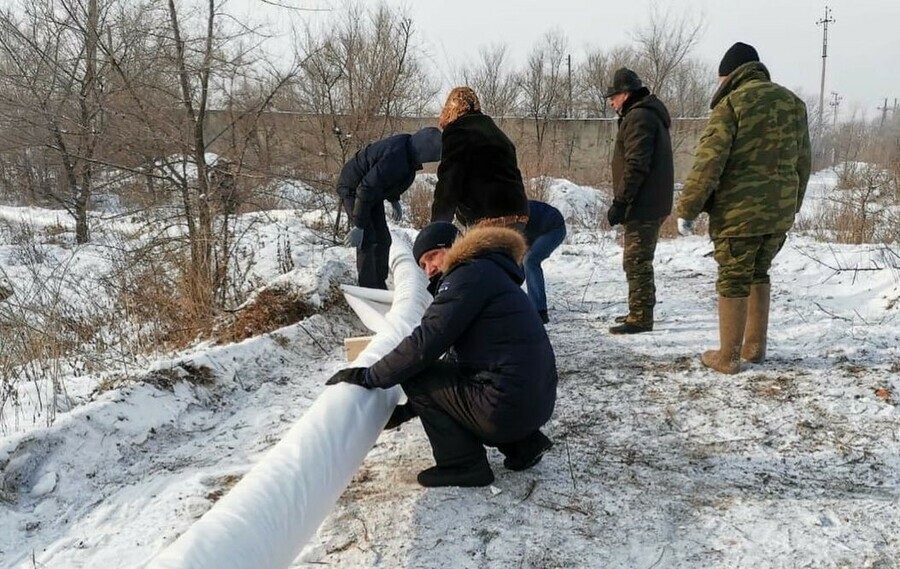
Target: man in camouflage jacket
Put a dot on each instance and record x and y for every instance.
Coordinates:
(749, 174)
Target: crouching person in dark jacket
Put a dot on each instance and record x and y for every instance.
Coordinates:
(501, 386)
(381, 171)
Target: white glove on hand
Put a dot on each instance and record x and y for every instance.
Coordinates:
(398, 211)
(685, 227)
(354, 237)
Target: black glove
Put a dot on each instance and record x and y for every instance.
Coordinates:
(616, 213)
(354, 375)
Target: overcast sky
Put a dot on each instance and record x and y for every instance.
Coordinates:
(864, 42)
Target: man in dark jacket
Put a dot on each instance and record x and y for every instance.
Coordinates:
(643, 184)
(381, 171)
(545, 230)
(499, 388)
(478, 179)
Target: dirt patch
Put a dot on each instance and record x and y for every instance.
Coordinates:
(272, 309)
(184, 371)
(780, 388)
(223, 486)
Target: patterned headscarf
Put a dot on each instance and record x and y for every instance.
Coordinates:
(460, 101)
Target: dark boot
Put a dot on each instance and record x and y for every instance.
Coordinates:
(756, 331)
(631, 328)
(621, 319)
(467, 475)
(522, 455)
(732, 319)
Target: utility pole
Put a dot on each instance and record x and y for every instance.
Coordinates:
(824, 23)
(884, 111)
(834, 104)
(569, 100)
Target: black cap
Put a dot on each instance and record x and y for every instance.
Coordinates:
(624, 80)
(437, 235)
(737, 55)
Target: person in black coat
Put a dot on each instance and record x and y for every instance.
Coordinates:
(381, 171)
(544, 232)
(643, 184)
(478, 179)
(500, 386)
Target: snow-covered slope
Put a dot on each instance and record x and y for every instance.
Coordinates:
(658, 462)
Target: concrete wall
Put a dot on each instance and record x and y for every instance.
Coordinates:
(578, 149)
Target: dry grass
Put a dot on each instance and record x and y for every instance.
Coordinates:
(417, 204)
(271, 309)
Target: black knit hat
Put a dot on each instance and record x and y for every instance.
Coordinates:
(624, 80)
(437, 235)
(737, 55)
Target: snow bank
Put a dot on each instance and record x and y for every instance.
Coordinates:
(268, 517)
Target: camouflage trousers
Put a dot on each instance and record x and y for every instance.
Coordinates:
(745, 261)
(637, 260)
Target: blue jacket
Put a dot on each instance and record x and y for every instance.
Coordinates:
(482, 312)
(542, 218)
(380, 171)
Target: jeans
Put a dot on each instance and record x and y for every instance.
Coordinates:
(542, 247)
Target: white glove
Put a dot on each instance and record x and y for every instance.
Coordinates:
(398, 211)
(685, 227)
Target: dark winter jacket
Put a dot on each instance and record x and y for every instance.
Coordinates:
(479, 176)
(542, 218)
(380, 171)
(482, 313)
(642, 168)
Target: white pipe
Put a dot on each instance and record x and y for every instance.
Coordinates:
(371, 308)
(267, 518)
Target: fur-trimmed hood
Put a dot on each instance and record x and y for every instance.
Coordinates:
(479, 241)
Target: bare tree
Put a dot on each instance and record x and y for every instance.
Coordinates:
(52, 98)
(543, 83)
(361, 74)
(665, 43)
(494, 81)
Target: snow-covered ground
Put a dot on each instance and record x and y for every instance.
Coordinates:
(658, 462)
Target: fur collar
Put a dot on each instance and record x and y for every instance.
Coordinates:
(481, 239)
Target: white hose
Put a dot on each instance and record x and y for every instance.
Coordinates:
(267, 518)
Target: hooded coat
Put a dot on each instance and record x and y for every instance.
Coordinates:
(642, 166)
(482, 313)
(479, 175)
(753, 161)
(379, 171)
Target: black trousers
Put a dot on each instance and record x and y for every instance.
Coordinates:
(450, 403)
(372, 254)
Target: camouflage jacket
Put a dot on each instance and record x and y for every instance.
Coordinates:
(753, 160)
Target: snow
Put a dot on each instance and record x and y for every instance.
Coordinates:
(657, 461)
